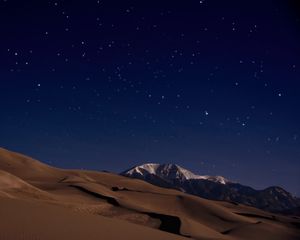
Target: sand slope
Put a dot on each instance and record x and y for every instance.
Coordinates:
(41, 202)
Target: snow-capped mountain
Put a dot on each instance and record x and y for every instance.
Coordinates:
(170, 172)
(274, 199)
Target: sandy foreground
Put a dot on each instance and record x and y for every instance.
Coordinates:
(38, 201)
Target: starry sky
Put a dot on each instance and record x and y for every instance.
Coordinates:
(211, 85)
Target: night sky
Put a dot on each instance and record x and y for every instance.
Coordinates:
(211, 85)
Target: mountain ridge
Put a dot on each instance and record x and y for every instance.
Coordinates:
(171, 169)
(273, 198)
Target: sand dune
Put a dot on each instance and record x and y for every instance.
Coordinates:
(38, 201)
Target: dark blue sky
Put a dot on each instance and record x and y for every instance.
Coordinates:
(210, 85)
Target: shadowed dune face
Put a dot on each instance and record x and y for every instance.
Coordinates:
(94, 205)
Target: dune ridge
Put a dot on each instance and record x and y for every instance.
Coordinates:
(80, 204)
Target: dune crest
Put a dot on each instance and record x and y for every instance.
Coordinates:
(81, 204)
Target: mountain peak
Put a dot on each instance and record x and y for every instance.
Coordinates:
(169, 172)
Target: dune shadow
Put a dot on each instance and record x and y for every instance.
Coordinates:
(226, 232)
(168, 223)
(110, 200)
(117, 189)
(296, 224)
(171, 224)
(273, 218)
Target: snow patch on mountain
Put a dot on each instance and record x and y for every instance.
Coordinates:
(171, 172)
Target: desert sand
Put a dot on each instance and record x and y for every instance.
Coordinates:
(38, 201)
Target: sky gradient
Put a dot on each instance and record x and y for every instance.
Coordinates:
(213, 86)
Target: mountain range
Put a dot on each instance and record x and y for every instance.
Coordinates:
(272, 199)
